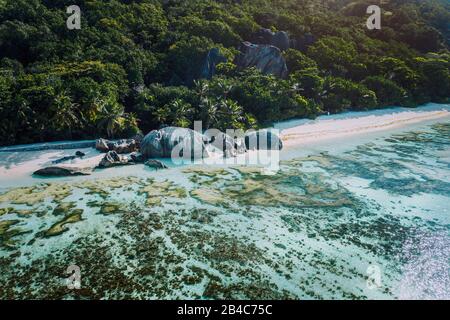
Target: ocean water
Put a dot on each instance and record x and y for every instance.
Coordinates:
(361, 217)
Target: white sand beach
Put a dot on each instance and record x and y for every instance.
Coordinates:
(307, 132)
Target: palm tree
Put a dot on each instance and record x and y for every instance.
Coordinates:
(112, 119)
(65, 115)
(182, 112)
(202, 88)
(225, 88)
(231, 114)
(208, 110)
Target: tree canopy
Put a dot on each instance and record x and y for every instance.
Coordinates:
(135, 65)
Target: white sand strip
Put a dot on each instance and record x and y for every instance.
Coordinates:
(339, 126)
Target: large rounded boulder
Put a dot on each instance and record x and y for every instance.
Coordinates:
(279, 39)
(172, 142)
(231, 146)
(266, 58)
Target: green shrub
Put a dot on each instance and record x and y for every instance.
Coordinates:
(387, 91)
(343, 95)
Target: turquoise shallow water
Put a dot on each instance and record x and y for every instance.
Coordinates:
(365, 218)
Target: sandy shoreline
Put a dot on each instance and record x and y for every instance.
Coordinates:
(16, 167)
(333, 127)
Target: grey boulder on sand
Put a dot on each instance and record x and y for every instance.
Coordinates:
(78, 154)
(102, 145)
(63, 172)
(137, 157)
(156, 164)
(113, 159)
(161, 143)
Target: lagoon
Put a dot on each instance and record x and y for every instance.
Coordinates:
(358, 210)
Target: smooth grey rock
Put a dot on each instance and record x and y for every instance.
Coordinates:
(64, 159)
(231, 146)
(279, 39)
(212, 60)
(78, 154)
(263, 140)
(162, 143)
(152, 163)
(113, 159)
(263, 36)
(102, 145)
(137, 157)
(63, 172)
(268, 59)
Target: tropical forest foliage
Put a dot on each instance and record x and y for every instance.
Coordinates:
(135, 65)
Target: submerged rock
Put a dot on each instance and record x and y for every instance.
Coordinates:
(263, 140)
(161, 143)
(113, 159)
(121, 146)
(266, 58)
(78, 154)
(137, 157)
(63, 172)
(156, 164)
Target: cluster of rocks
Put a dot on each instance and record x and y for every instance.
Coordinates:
(120, 146)
(113, 159)
(168, 142)
(57, 171)
(172, 141)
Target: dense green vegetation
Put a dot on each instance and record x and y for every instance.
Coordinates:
(135, 64)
